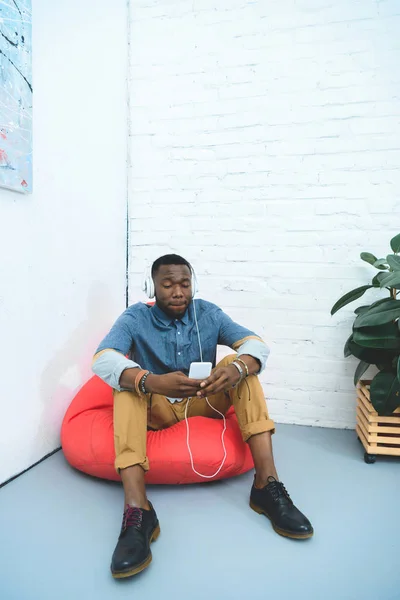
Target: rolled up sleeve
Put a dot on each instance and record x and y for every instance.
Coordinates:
(257, 349)
(110, 360)
(241, 339)
(109, 366)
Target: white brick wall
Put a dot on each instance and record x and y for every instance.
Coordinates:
(265, 148)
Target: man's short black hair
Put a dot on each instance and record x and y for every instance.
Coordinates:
(169, 259)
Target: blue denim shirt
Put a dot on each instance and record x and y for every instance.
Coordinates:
(161, 344)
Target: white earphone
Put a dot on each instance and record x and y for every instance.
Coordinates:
(149, 288)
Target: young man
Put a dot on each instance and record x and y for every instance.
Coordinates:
(162, 342)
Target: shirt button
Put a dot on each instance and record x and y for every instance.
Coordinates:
(179, 353)
(179, 333)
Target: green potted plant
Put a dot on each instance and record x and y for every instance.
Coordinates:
(375, 339)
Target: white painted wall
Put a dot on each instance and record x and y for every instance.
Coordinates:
(62, 269)
(265, 147)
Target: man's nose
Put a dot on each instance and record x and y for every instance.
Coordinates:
(178, 293)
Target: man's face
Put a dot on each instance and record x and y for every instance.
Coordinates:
(173, 285)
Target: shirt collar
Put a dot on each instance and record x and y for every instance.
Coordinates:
(161, 316)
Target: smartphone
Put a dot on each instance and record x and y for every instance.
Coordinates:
(200, 370)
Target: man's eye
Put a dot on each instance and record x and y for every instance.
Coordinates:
(186, 285)
(167, 287)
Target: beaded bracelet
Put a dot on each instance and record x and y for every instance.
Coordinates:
(143, 381)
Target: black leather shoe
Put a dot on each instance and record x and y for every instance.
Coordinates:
(274, 502)
(132, 553)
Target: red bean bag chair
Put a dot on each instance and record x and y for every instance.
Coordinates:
(88, 442)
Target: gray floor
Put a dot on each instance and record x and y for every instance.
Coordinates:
(58, 529)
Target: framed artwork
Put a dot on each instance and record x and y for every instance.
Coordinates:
(16, 95)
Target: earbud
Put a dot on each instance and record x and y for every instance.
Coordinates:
(195, 285)
(148, 285)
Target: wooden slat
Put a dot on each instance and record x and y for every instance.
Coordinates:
(368, 406)
(372, 445)
(388, 420)
(383, 439)
(362, 420)
(385, 450)
(365, 390)
(363, 431)
(383, 429)
(376, 427)
(366, 414)
(363, 439)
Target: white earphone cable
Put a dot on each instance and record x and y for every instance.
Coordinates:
(213, 408)
(197, 327)
(188, 441)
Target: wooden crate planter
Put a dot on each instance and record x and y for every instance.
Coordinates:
(378, 435)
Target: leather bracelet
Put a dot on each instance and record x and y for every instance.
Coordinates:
(138, 379)
(244, 364)
(142, 386)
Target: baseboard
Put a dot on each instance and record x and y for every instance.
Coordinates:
(29, 468)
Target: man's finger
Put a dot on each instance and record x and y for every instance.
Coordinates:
(193, 382)
(218, 377)
(213, 388)
(206, 382)
(191, 390)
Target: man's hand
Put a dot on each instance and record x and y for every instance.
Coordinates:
(173, 385)
(220, 380)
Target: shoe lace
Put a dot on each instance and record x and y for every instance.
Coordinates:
(278, 490)
(132, 517)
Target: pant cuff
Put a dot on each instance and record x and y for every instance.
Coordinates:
(258, 427)
(130, 459)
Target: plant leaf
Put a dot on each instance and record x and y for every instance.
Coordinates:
(368, 257)
(385, 393)
(372, 356)
(395, 243)
(391, 280)
(393, 261)
(347, 352)
(398, 368)
(386, 366)
(384, 337)
(361, 309)
(383, 313)
(382, 301)
(362, 367)
(350, 297)
(381, 264)
(383, 305)
(376, 282)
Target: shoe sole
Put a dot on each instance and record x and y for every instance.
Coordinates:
(144, 564)
(293, 536)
